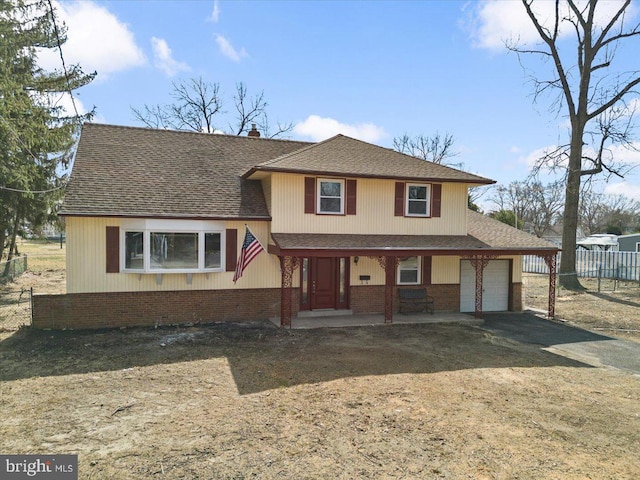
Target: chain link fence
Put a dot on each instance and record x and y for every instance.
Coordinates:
(13, 268)
(15, 309)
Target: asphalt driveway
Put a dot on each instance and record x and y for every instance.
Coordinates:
(571, 342)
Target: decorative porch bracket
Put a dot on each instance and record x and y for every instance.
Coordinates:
(287, 267)
(551, 261)
(389, 265)
(478, 262)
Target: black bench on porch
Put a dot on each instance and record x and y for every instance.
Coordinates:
(415, 300)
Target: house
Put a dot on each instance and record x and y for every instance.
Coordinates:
(599, 242)
(629, 243)
(156, 219)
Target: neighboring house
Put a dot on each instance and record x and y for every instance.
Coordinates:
(604, 242)
(155, 220)
(629, 243)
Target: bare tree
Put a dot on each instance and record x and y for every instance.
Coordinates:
(512, 198)
(601, 213)
(436, 149)
(590, 90)
(198, 106)
(535, 206)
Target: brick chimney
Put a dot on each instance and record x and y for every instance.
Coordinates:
(254, 132)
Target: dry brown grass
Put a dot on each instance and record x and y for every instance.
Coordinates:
(45, 268)
(612, 311)
(232, 401)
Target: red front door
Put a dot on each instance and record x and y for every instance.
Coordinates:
(323, 282)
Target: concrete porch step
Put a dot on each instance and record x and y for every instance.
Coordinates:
(328, 312)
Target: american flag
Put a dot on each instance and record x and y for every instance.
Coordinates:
(251, 247)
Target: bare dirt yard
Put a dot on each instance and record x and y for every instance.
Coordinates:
(236, 401)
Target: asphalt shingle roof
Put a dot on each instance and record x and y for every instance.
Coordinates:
(128, 171)
(347, 156)
(485, 233)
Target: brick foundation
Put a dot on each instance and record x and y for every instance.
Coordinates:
(515, 298)
(370, 298)
(365, 299)
(124, 309)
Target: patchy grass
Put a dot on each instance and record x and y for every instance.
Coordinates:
(613, 311)
(45, 268)
(254, 401)
(234, 401)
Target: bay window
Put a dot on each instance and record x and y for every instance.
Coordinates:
(172, 246)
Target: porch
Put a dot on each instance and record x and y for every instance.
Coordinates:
(338, 320)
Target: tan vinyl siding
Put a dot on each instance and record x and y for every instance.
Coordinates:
(86, 263)
(366, 266)
(445, 270)
(375, 210)
(517, 268)
(266, 189)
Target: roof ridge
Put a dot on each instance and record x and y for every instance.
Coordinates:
(191, 132)
(303, 149)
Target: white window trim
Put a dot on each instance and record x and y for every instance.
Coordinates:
(171, 226)
(419, 276)
(318, 195)
(427, 201)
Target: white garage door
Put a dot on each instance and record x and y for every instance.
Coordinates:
(495, 286)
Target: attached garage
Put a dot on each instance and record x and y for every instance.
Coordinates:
(495, 286)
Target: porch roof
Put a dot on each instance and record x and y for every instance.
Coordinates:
(485, 236)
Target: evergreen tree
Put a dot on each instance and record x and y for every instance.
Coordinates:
(36, 134)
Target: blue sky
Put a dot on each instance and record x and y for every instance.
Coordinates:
(371, 70)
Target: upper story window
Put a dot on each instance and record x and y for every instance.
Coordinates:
(417, 200)
(330, 196)
(172, 246)
(409, 271)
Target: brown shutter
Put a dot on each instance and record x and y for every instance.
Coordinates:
(309, 195)
(436, 199)
(231, 255)
(113, 249)
(426, 270)
(399, 199)
(351, 197)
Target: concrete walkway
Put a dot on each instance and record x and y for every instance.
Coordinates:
(378, 319)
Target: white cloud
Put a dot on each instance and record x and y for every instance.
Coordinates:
(64, 101)
(625, 155)
(97, 40)
(215, 14)
(163, 59)
(320, 128)
(623, 188)
(492, 22)
(228, 51)
(534, 157)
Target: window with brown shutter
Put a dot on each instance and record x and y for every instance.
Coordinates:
(399, 200)
(113, 249)
(436, 199)
(232, 249)
(351, 197)
(426, 270)
(309, 195)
